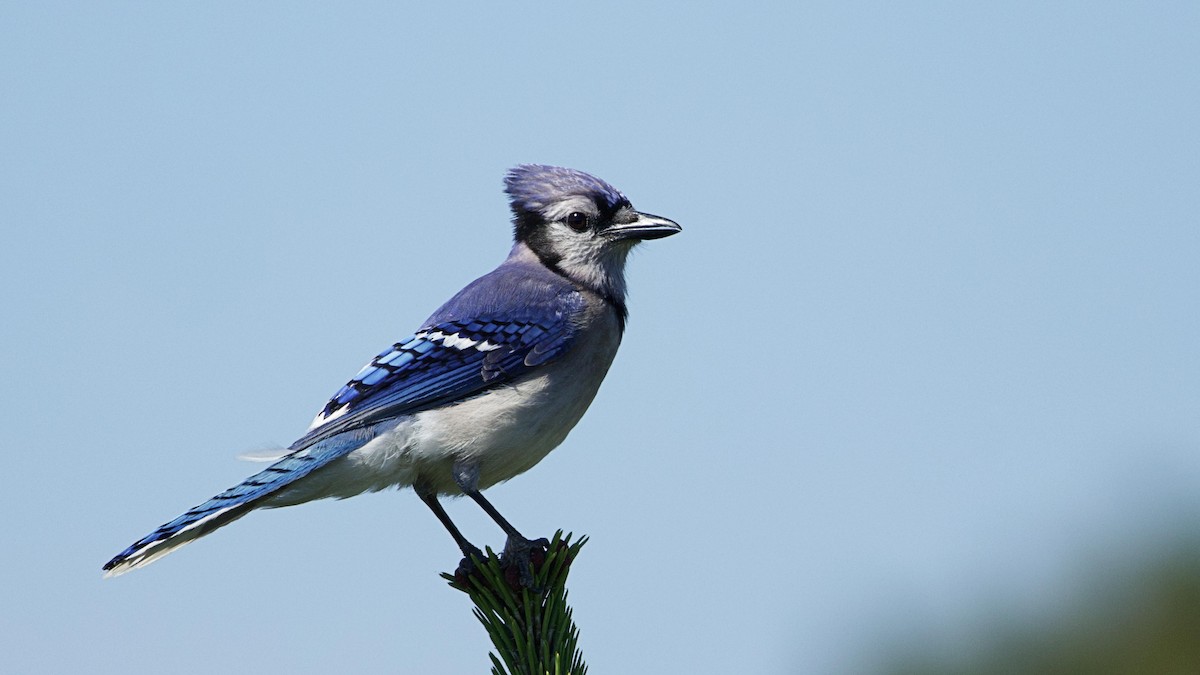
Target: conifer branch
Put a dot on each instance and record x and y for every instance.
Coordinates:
(533, 630)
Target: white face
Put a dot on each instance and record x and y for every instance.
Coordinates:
(586, 252)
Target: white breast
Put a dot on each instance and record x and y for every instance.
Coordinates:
(511, 428)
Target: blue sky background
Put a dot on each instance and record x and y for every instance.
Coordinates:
(928, 344)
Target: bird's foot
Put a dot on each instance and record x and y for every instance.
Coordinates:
(521, 558)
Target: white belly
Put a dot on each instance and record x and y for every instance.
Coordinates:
(505, 431)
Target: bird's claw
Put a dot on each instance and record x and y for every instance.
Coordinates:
(521, 558)
(467, 566)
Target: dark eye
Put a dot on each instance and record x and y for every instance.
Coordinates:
(577, 221)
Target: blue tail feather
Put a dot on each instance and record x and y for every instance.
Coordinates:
(240, 499)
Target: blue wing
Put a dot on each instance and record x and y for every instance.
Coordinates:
(444, 362)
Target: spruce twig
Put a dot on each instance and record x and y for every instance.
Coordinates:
(533, 630)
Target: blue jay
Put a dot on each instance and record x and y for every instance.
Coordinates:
(488, 385)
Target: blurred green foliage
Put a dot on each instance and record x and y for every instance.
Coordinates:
(1143, 620)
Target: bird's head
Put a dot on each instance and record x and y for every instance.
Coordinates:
(579, 225)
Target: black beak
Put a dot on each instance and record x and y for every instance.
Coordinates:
(647, 226)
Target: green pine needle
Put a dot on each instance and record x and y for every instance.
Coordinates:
(533, 631)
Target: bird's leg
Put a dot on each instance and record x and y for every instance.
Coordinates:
(518, 550)
(469, 551)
